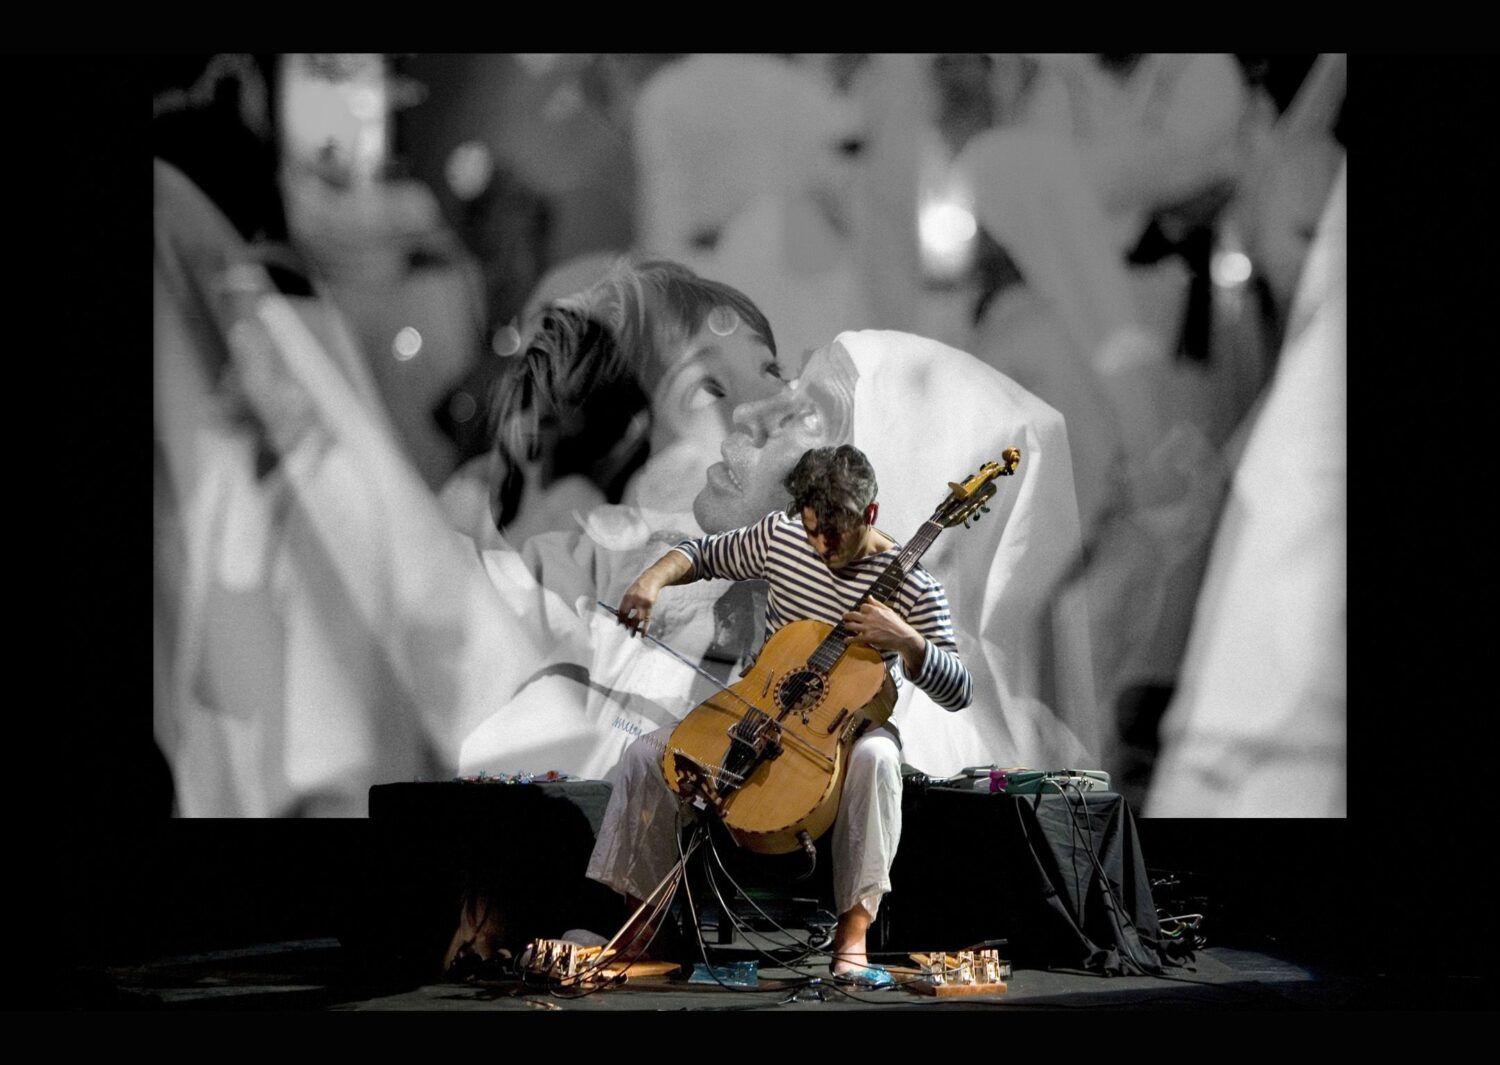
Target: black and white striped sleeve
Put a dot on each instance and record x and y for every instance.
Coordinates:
(944, 678)
(737, 555)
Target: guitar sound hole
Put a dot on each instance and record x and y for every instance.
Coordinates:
(799, 692)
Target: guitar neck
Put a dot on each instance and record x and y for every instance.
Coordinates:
(884, 590)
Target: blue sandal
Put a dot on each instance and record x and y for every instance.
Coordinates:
(866, 978)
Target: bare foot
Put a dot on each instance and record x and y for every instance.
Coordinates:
(849, 940)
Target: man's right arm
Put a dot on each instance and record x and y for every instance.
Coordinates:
(738, 555)
(636, 604)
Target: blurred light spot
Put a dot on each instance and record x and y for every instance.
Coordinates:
(462, 407)
(947, 225)
(408, 343)
(1230, 268)
(470, 168)
(506, 341)
(947, 234)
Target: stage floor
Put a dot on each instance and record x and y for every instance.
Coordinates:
(316, 975)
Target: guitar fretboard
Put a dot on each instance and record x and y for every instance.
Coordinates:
(885, 589)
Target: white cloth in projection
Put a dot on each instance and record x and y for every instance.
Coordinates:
(1075, 333)
(1258, 726)
(598, 689)
(382, 645)
(927, 414)
(318, 626)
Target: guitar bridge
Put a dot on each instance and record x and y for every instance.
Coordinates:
(856, 728)
(838, 721)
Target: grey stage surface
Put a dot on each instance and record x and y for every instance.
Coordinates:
(315, 975)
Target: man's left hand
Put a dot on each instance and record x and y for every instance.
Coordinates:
(880, 627)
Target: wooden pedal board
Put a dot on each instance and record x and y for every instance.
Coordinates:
(641, 970)
(968, 972)
(922, 987)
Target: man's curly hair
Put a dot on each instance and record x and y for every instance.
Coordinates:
(836, 482)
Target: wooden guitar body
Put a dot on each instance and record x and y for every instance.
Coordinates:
(807, 721)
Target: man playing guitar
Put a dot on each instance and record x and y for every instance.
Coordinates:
(820, 555)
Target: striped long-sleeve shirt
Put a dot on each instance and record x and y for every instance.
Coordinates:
(802, 586)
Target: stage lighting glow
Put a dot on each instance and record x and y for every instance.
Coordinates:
(1230, 268)
(945, 226)
(407, 343)
(462, 407)
(470, 168)
(947, 233)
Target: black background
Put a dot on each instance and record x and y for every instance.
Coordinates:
(97, 872)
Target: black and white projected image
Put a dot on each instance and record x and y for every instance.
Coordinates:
(448, 349)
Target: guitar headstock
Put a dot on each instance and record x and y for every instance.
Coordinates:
(968, 498)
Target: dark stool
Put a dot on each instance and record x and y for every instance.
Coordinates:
(759, 890)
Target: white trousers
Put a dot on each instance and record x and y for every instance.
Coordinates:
(637, 843)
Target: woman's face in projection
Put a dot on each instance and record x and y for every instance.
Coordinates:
(696, 400)
(769, 436)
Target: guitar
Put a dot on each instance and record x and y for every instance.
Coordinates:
(767, 754)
